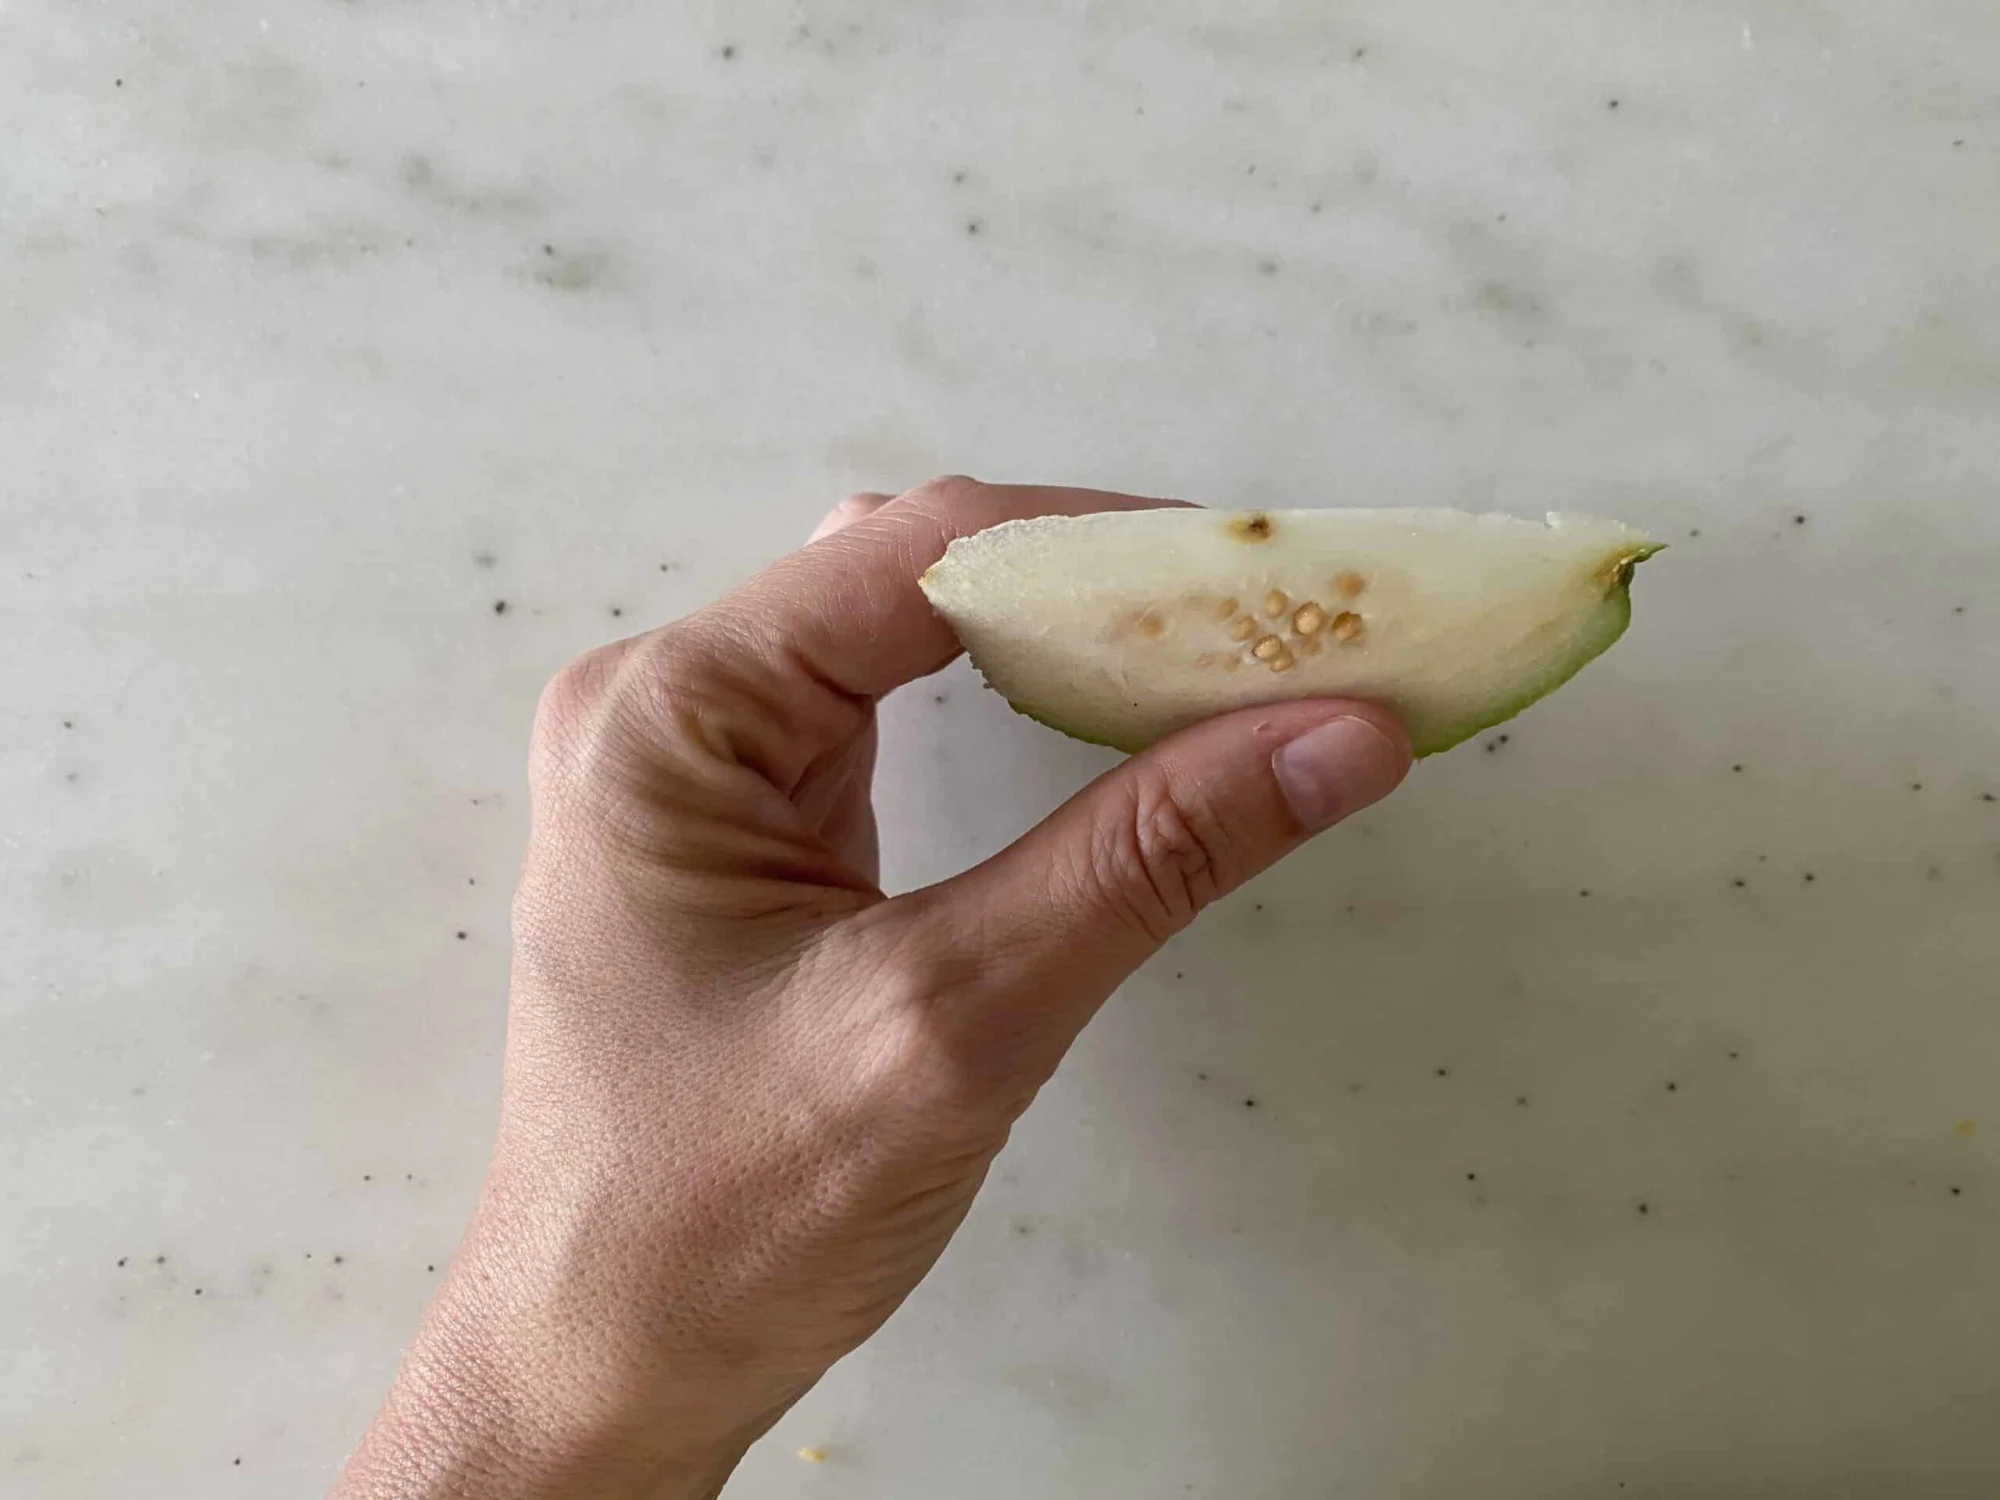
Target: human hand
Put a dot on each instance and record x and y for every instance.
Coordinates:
(748, 1098)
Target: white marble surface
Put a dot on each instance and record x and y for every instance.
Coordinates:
(325, 327)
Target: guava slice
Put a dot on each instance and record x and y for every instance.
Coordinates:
(1124, 626)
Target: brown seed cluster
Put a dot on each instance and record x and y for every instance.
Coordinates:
(1277, 629)
(1290, 629)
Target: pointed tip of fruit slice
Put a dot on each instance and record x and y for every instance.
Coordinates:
(1118, 628)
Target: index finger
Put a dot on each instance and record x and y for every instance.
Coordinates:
(795, 658)
(847, 611)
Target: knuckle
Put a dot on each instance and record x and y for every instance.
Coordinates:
(588, 719)
(570, 702)
(1164, 860)
(573, 694)
(947, 491)
(856, 507)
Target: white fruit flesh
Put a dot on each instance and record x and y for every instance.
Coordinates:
(1125, 626)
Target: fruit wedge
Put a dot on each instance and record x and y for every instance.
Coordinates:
(1121, 627)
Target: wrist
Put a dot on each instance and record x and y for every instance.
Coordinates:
(479, 1411)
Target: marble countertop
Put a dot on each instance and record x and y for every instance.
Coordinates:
(1626, 1092)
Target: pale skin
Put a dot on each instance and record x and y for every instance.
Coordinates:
(748, 1097)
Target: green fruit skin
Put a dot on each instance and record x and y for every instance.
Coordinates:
(1617, 616)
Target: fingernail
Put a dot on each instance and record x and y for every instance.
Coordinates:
(1337, 769)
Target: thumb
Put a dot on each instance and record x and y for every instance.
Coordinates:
(1059, 919)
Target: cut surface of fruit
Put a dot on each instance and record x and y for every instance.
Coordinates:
(1124, 626)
